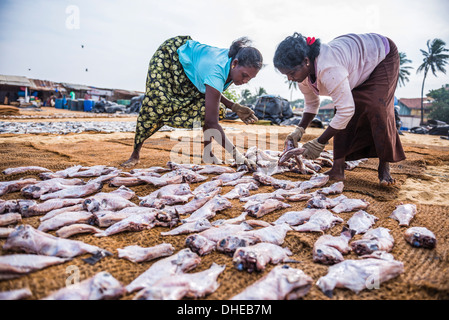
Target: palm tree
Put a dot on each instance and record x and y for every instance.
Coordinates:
(434, 60)
(403, 71)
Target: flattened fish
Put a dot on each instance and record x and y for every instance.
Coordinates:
(138, 254)
(196, 203)
(238, 191)
(10, 218)
(184, 285)
(168, 178)
(316, 181)
(5, 232)
(47, 186)
(94, 171)
(295, 218)
(16, 185)
(320, 201)
(320, 221)
(30, 208)
(276, 183)
(73, 192)
(361, 221)
(227, 177)
(210, 209)
(60, 174)
(17, 170)
(330, 250)
(54, 213)
(358, 275)
(113, 201)
(183, 261)
(77, 228)
(17, 294)
(158, 198)
(16, 265)
(65, 219)
(8, 206)
(348, 205)
(208, 187)
(215, 169)
(259, 209)
(404, 213)
(335, 188)
(420, 237)
(374, 240)
(26, 238)
(107, 218)
(256, 257)
(135, 222)
(189, 227)
(281, 283)
(102, 286)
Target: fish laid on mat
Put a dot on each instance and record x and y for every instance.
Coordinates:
(135, 222)
(125, 181)
(320, 201)
(47, 186)
(259, 209)
(316, 181)
(330, 249)
(404, 213)
(30, 208)
(7, 206)
(77, 228)
(196, 203)
(281, 283)
(102, 286)
(191, 166)
(208, 187)
(335, 188)
(107, 218)
(374, 240)
(276, 183)
(159, 198)
(227, 177)
(215, 169)
(26, 238)
(155, 169)
(94, 171)
(245, 179)
(261, 197)
(257, 256)
(319, 222)
(73, 192)
(295, 218)
(113, 201)
(138, 254)
(210, 209)
(189, 227)
(17, 170)
(66, 219)
(17, 294)
(351, 165)
(184, 285)
(420, 237)
(5, 232)
(60, 174)
(358, 275)
(16, 265)
(15, 185)
(54, 213)
(348, 205)
(183, 261)
(237, 192)
(361, 221)
(7, 219)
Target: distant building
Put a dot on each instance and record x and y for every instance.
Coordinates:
(410, 111)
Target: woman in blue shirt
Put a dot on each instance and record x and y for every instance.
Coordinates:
(184, 88)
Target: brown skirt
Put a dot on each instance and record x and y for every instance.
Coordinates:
(372, 131)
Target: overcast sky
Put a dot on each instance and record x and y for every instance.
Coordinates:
(43, 39)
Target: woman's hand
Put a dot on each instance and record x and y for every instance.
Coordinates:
(244, 113)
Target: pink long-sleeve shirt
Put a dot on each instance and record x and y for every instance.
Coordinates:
(342, 65)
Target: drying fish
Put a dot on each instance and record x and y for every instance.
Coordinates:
(208, 187)
(330, 250)
(256, 257)
(358, 275)
(106, 218)
(138, 254)
(106, 177)
(361, 221)
(16, 265)
(290, 153)
(320, 221)
(77, 228)
(189, 227)
(15, 185)
(26, 238)
(420, 237)
(183, 285)
(18, 170)
(215, 169)
(261, 197)
(5, 232)
(229, 244)
(373, 240)
(30, 208)
(102, 286)
(60, 174)
(125, 181)
(245, 179)
(320, 201)
(54, 213)
(350, 165)
(205, 242)
(74, 192)
(190, 166)
(17, 294)
(156, 198)
(299, 196)
(155, 169)
(10, 218)
(210, 209)
(135, 222)
(94, 171)
(237, 192)
(190, 176)
(197, 202)
(8, 206)
(281, 283)
(404, 213)
(348, 205)
(335, 188)
(227, 177)
(65, 219)
(316, 181)
(113, 201)
(46, 186)
(172, 177)
(378, 255)
(259, 209)
(294, 218)
(271, 234)
(237, 220)
(183, 261)
(276, 183)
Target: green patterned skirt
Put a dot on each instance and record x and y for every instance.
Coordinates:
(170, 97)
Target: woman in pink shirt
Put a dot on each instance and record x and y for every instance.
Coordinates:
(360, 73)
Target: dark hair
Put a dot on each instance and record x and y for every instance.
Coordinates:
(293, 50)
(246, 55)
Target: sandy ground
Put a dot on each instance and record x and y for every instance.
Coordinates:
(422, 179)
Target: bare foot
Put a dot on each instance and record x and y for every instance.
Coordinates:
(385, 178)
(131, 162)
(337, 172)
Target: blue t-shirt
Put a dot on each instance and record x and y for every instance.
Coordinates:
(205, 65)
